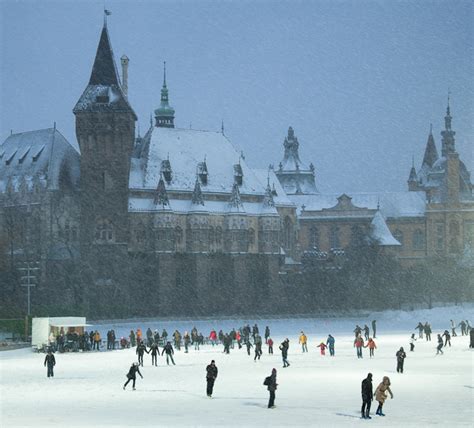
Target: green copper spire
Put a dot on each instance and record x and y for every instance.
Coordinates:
(164, 115)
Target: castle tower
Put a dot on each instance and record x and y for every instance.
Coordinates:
(164, 114)
(105, 130)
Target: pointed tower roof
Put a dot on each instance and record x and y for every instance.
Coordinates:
(268, 198)
(380, 233)
(197, 198)
(161, 196)
(448, 141)
(413, 177)
(235, 203)
(164, 114)
(104, 71)
(431, 154)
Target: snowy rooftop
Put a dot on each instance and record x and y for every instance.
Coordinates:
(185, 149)
(392, 205)
(380, 232)
(280, 198)
(44, 155)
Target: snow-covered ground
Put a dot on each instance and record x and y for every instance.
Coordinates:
(314, 391)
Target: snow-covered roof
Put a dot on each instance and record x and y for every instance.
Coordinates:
(43, 155)
(138, 204)
(392, 205)
(185, 148)
(280, 198)
(380, 232)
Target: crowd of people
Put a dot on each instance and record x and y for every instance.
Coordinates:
(248, 337)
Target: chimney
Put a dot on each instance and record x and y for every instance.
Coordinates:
(124, 60)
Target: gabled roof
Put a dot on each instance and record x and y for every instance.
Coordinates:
(43, 155)
(431, 154)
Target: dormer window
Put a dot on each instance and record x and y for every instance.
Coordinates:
(38, 153)
(10, 158)
(202, 172)
(102, 99)
(22, 156)
(166, 170)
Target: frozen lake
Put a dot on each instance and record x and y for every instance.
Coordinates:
(314, 391)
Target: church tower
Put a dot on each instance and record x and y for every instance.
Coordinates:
(105, 130)
(164, 114)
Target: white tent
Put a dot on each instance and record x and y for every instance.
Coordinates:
(42, 327)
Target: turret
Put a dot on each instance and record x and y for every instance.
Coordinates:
(164, 114)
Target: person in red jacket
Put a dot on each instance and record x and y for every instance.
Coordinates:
(238, 338)
(213, 337)
(359, 344)
(270, 345)
(322, 346)
(371, 345)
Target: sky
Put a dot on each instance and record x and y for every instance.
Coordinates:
(359, 81)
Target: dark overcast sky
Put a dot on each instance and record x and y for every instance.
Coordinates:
(359, 81)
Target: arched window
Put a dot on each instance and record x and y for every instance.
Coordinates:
(104, 231)
(178, 235)
(314, 237)
(398, 235)
(418, 240)
(334, 241)
(251, 236)
(218, 235)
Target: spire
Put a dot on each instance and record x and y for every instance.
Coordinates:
(161, 196)
(164, 115)
(431, 154)
(448, 142)
(268, 198)
(104, 71)
(197, 198)
(235, 203)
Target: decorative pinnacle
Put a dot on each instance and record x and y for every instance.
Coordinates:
(448, 110)
(164, 74)
(431, 129)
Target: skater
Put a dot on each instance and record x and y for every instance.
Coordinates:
(366, 332)
(187, 341)
(330, 342)
(96, 340)
(285, 345)
(156, 337)
(453, 328)
(254, 331)
(471, 336)
(374, 327)
(427, 329)
(258, 348)
(372, 346)
(401, 355)
(213, 337)
(154, 353)
(322, 346)
(439, 348)
(248, 345)
(132, 375)
(168, 348)
(381, 396)
(303, 341)
(359, 344)
(50, 361)
(139, 335)
(227, 341)
(271, 383)
(141, 349)
(367, 396)
(420, 328)
(149, 337)
(267, 333)
(270, 345)
(238, 338)
(211, 376)
(447, 338)
(177, 340)
(412, 342)
(164, 336)
(462, 324)
(357, 330)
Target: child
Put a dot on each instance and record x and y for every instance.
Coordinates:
(412, 342)
(323, 347)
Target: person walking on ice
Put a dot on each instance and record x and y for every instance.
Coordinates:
(447, 338)
(401, 355)
(453, 328)
(271, 383)
(154, 351)
(331, 342)
(50, 362)
(141, 349)
(439, 348)
(270, 345)
(132, 375)
(168, 348)
(372, 346)
(359, 344)
(412, 342)
(322, 346)
(381, 396)
(211, 376)
(284, 352)
(367, 396)
(304, 342)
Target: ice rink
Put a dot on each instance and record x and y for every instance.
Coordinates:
(313, 391)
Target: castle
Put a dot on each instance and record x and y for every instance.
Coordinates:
(176, 219)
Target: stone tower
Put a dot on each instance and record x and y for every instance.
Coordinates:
(105, 130)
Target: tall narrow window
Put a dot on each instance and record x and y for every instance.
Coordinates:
(418, 240)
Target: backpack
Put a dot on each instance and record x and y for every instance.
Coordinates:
(267, 381)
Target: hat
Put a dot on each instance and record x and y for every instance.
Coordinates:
(274, 370)
(212, 361)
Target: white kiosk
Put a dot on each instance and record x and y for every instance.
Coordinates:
(43, 327)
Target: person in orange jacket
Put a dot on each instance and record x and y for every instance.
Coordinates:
(96, 340)
(322, 346)
(371, 345)
(139, 335)
(304, 342)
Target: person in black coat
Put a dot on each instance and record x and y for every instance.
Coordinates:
(211, 377)
(471, 336)
(374, 328)
(248, 345)
(132, 375)
(267, 333)
(50, 361)
(400, 359)
(168, 348)
(154, 350)
(447, 338)
(141, 349)
(367, 396)
(439, 348)
(284, 352)
(271, 383)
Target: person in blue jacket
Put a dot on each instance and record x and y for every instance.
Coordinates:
(330, 342)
